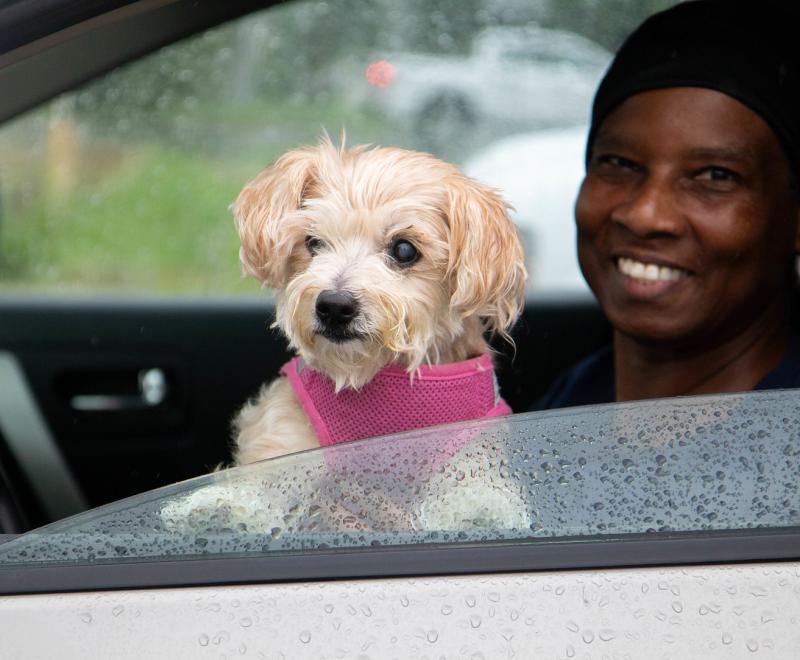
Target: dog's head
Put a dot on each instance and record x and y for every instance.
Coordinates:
(379, 255)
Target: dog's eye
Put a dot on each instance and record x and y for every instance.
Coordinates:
(313, 244)
(403, 252)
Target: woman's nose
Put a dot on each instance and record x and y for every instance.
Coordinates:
(650, 209)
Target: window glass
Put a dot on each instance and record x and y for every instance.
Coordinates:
(675, 465)
(124, 184)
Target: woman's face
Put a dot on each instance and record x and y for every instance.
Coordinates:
(686, 219)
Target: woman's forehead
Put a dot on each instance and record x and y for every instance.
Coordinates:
(696, 121)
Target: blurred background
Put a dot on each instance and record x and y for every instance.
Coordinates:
(123, 187)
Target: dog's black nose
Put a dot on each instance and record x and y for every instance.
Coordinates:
(336, 308)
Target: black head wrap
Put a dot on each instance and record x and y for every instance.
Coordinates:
(745, 49)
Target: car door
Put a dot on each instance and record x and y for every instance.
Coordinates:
(644, 529)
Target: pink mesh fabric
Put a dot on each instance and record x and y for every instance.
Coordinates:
(391, 402)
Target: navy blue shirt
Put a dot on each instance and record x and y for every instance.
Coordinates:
(592, 380)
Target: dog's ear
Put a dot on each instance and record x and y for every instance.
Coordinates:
(486, 266)
(261, 213)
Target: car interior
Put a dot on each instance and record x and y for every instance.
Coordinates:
(105, 396)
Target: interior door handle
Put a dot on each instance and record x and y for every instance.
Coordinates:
(152, 390)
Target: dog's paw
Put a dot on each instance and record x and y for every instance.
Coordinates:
(472, 505)
(241, 505)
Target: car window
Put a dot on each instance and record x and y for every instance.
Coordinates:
(124, 184)
(686, 465)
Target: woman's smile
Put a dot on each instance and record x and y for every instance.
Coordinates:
(645, 280)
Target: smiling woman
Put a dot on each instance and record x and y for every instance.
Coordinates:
(688, 214)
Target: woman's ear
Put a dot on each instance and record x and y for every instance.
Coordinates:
(486, 266)
(261, 209)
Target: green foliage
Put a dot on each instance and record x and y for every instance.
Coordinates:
(160, 224)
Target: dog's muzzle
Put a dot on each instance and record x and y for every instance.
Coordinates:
(336, 311)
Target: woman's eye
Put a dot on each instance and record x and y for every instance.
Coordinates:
(313, 244)
(404, 252)
(613, 160)
(718, 174)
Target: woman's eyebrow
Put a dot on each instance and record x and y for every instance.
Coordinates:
(610, 143)
(722, 154)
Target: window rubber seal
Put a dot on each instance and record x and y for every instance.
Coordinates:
(423, 560)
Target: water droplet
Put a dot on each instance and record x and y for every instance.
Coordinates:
(470, 601)
(86, 617)
(220, 637)
(574, 627)
(560, 590)
(328, 608)
(203, 640)
(752, 645)
(447, 610)
(570, 652)
(587, 636)
(242, 648)
(246, 622)
(606, 635)
(677, 607)
(305, 637)
(475, 620)
(727, 639)
(404, 601)
(119, 609)
(432, 636)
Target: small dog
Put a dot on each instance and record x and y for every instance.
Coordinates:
(386, 264)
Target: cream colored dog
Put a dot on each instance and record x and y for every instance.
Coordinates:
(377, 256)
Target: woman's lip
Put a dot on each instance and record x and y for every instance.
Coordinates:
(644, 290)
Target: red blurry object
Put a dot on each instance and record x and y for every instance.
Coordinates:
(381, 73)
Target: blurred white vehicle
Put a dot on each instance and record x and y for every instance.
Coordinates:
(519, 78)
(539, 174)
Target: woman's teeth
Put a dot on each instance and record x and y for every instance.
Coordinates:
(649, 272)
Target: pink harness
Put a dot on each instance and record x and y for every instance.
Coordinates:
(391, 402)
